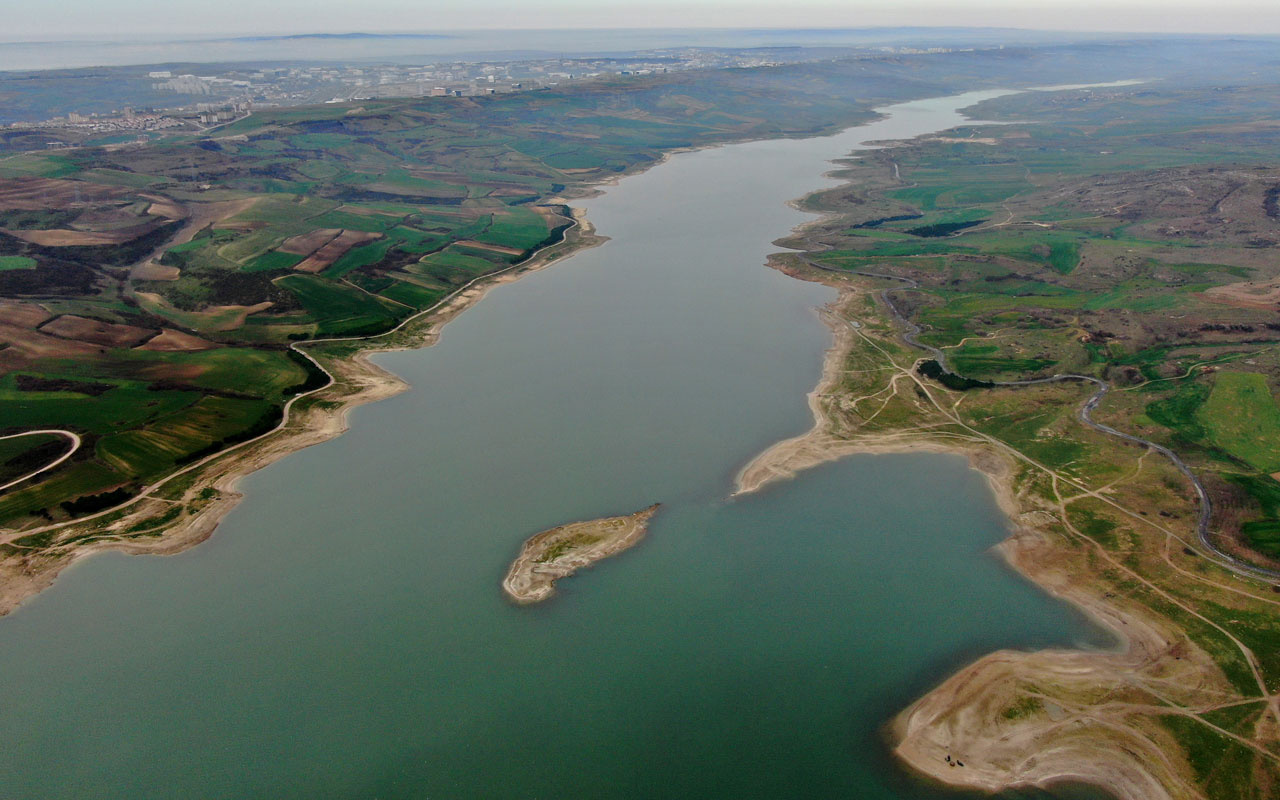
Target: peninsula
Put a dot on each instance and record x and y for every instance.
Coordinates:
(1094, 337)
(1082, 301)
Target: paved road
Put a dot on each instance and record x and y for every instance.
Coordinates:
(910, 335)
(300, 348)
(75, 445)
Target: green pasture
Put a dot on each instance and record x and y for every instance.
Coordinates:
(1242, 418)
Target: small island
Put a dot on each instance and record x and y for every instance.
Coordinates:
(557, 553)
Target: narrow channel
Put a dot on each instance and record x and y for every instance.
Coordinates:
(343, 634)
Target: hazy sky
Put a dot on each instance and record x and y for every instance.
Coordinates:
(54, 19)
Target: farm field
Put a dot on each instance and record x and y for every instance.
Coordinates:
(167, 301)
(1043, 251)
(1139, 254)
(301, 224)
(156, 290)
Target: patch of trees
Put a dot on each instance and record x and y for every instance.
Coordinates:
(96, 502)
(876, 223)
(53, 275)
(21, 140)
(25, 218)
(35, 458)
(942, 228)
(1217, 326)
(57, 278)
(933, 370)
(37, 383)
(395, 258)
(227, 288)
(276, 170)
(115, 255)
(555, 236)
(322, 126)
(352, 195)
(316, 378)
(1271, 203)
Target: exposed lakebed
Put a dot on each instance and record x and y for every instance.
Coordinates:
(343, 634)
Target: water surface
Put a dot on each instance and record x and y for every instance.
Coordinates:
(344, 635)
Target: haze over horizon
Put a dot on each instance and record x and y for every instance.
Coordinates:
(185, 18)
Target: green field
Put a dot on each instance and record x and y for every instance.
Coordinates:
(1242, 418)
(26, 454)
(173, 440)
(341, 313)
(16, 262)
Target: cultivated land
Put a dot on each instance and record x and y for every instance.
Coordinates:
(210, 316)
(1122, 244)
(560, 552)
(237, 277)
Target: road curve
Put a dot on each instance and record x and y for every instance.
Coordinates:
(74, 438)
(910, 334)
(298, 347)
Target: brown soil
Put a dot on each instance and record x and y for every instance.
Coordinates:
(237, 317)
(991, 748)
(26, 345)
(198, 216)
(364, 211)
(1248, 294)
(166, 207)
(560, 552)
(240, 225)
(170, 341)
(215, 318)
(335, 249)
(35, 194)
(22, 315)
(151, 271)
(62, 237)
(304, 244)
(94, 331)
(495, 248)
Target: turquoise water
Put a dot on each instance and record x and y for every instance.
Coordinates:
(344, 635)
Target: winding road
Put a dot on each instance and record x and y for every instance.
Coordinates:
(548, 252)
(74, 438)
(911, 335)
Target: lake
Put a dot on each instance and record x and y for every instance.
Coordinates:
(344, 635)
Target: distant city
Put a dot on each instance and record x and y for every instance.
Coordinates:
(220, 94)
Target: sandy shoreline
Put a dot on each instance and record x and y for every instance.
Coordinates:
(357, 381)
(958, 721)
(962, 720)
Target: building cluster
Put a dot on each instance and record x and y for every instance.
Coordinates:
(124, 121)
(203, 101)
(915, 51)
(193, 118)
